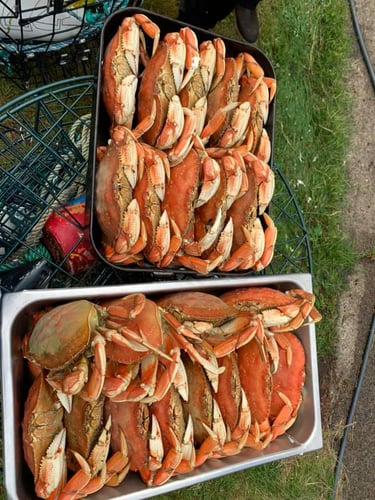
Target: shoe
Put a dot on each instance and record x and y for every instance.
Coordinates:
(247, 22)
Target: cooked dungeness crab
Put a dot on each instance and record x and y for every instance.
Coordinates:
(55, 441)
(62, 342)
(202, 316)
(72, 342)
(121, 67)
(179, 380)
(162, 79)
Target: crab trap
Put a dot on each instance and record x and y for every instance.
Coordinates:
(47, 40)
(44, 233)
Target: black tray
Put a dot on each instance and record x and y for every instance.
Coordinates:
(101, 124)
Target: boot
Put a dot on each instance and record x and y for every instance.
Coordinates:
(247, 22)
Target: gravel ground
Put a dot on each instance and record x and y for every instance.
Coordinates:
(340, 379)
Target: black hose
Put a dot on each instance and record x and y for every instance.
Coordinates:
(370, 337)
(361, 43)
(349, 420)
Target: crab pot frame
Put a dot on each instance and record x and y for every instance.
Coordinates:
(44, 166)
(45, 41)
(304, 436)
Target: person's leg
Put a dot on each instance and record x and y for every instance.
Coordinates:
(204, 13)
(247, 19)
(250, 3)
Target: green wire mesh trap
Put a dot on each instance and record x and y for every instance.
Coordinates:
(42, 41)
(44, 147)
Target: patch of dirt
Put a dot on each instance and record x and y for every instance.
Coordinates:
(339, 374)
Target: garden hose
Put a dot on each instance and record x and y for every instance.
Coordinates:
(361, 43)
(349, 421)
(370, 337)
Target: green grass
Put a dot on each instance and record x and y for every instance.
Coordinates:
(307, 478)
(309, 46)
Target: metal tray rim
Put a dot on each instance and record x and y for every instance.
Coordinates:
(14, 303)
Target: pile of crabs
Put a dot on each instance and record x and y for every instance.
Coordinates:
(185, 178)
(159, 384)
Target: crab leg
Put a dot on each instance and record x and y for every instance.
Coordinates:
(208, 56)
(198, 247)
(173, 125)
(237, 438)
(235, 132)
(177, 56)
(52, 471)
(165, 380)
(174, 245)
(250, 252)
(74, 488)
(128, 307)
(118, 377)
(219, 62)
(150, 28)
(192, 53)
(93, 388)
(170, 462)
(235, 341)
(180, 334)
(188, 460)
(92, 474)
(210, 177)
(118, 465)
(222, 249)
(183, 145)
(215, 439)
(155, 453)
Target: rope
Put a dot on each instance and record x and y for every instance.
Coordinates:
(31, 254)
(79, 134)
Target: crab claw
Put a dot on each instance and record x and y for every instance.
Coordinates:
(52, 473)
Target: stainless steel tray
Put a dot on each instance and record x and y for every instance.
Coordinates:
(304, 436)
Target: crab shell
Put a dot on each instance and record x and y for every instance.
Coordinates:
(133, 421)
(288, 382)
(156, 85)
(197, 306)
(280, 311)
(256, 381)
(222, 95)
(62, 334)
(180, 203)
(42, 421)
(83, 425)
(228, 395)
